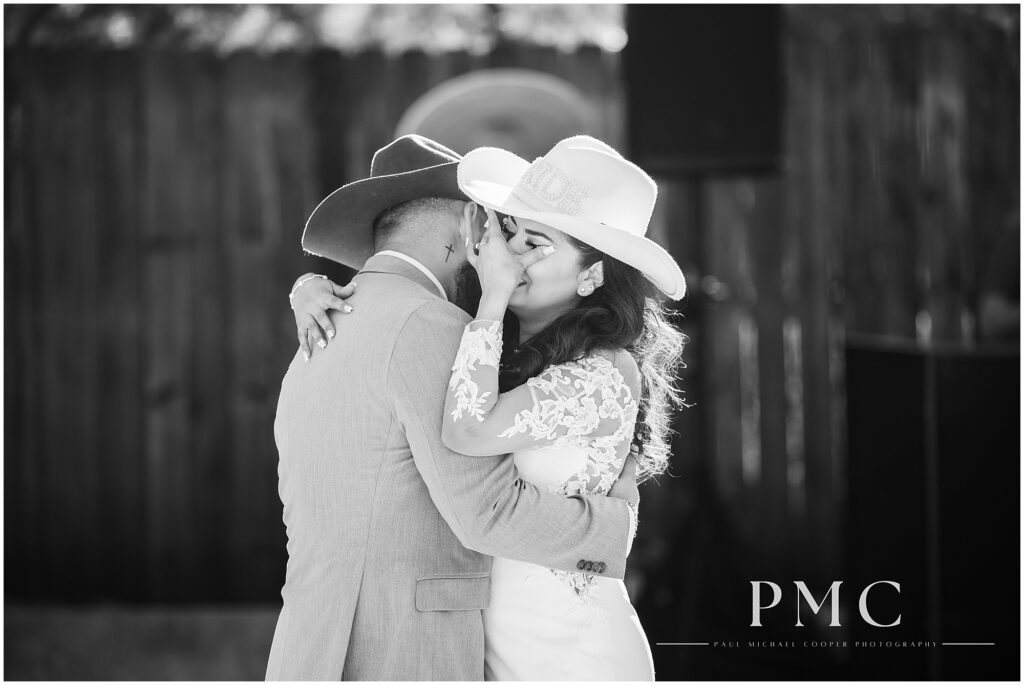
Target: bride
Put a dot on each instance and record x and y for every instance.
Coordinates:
(565, 363)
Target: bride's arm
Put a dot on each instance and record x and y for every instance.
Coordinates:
(595, 397)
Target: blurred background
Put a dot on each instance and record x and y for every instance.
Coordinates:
(840, 183)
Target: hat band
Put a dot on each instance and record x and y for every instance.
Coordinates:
(546, 185)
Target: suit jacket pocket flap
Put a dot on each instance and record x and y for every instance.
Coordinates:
(453, 593)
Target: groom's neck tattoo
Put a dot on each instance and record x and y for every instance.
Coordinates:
(450, 251)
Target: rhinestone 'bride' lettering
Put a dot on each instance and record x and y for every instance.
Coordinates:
(553, 186)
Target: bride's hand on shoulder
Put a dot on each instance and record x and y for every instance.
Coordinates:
(312, 296)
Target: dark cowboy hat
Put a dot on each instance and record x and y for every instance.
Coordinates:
(411, 167)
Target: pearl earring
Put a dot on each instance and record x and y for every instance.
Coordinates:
(586, 289)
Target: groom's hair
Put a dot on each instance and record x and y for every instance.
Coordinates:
(413, 215)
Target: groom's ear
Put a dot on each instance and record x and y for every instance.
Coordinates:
(472, 221)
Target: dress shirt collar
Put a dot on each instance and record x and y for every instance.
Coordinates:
(419, 266)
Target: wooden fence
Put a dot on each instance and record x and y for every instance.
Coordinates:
(155, 204)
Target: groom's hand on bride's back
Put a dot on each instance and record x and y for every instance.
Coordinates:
(625, 487)
(312, 297)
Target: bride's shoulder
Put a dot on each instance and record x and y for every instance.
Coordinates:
(610, 373)
(617, 363)
(618, 357)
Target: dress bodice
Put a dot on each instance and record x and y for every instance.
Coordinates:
(550, 467)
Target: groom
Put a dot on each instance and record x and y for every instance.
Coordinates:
(389, 531)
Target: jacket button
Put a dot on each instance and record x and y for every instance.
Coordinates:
(580, 564)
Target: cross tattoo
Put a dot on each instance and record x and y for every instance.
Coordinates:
(450, 250)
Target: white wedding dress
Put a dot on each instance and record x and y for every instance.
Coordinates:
(552, 625)
(545, 624)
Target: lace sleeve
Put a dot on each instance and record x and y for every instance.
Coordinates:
(476, 365)
(587, 398)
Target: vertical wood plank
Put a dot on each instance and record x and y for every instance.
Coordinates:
(49, 172)
(945, 246)
(810, 224)
(68, 323)
(732, 293)
(22, 388)
(122, 534)
(201, 127)
(992, 84)
(53, 158)
(82, 290)
(169, 237)
(761, 221)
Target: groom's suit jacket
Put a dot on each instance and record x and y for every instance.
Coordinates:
(389, 531)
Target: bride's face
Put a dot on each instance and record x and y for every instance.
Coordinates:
(549, 285)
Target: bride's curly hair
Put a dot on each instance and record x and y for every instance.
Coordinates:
(625, 312)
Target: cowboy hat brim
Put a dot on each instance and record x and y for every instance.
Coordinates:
(341, 226)
(488, 175)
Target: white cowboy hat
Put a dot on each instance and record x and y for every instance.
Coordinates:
(583, 188)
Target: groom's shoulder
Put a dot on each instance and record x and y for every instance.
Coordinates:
(426, 343)
(434, 320)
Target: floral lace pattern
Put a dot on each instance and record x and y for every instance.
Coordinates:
(577, 396)
(579, 583)
(480, 345)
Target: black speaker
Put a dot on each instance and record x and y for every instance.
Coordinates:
(704, 87)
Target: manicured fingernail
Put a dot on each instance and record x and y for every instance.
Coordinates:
(321, 344)
(305, 355)
(353, 284)
(330, 333)
(347, 309)
(547, 250)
